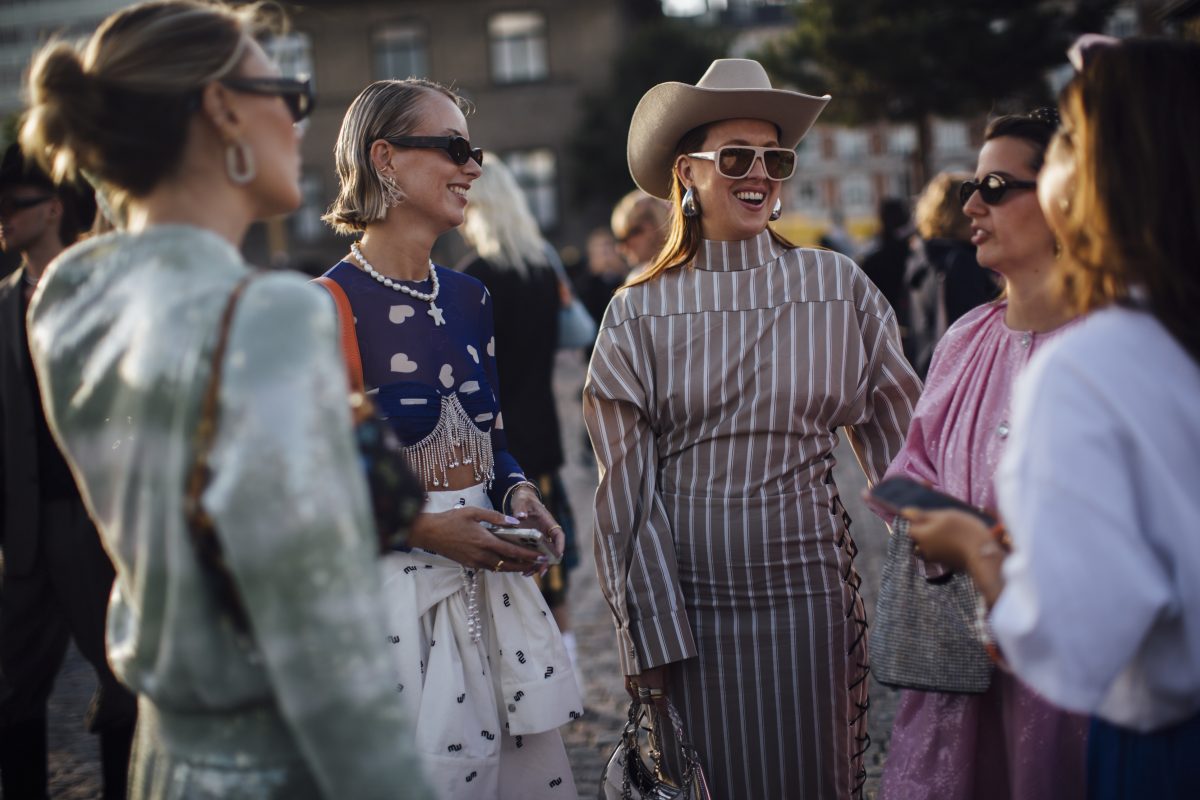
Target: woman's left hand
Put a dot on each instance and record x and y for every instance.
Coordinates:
(529, 509)
(947, 537)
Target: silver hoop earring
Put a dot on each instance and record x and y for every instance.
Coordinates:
(392, 195)
(690, 205)
(239, 162)
(777, 211)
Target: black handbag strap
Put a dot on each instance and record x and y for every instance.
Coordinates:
(200, 525)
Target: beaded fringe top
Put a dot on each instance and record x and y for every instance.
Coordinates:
(454, 436)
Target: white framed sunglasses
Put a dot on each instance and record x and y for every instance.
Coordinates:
(736, 160)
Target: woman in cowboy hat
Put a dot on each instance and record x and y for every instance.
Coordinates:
(719, 378)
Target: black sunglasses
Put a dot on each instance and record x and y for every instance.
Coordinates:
(296, 93)
(11, 205)
(991, 188)
(458, 148)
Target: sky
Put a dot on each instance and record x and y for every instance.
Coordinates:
(684, 8)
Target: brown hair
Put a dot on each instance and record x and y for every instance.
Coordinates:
(1133, 218)
(119, 110)
(939, 213)
(384, 110)
(683, 233)
(1037, 128)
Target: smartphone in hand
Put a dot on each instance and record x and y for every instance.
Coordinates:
(527, 537)
(899, 493)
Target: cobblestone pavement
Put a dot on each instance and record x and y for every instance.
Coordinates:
(74, 754)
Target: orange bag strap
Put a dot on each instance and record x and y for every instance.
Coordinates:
(346, 329)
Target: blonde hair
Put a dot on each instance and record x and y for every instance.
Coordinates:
(1131, 123)
(635, 207)
(384, 110)
(939, 213)
(119, 110)
(499, 224)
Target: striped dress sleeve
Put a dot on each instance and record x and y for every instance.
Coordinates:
(635, 548)
(890, 388)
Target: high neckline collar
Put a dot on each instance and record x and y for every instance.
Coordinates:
(717, 256)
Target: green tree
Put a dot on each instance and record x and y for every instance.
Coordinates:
(660, 49)
(909, 62)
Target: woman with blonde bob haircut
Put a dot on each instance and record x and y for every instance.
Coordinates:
(489, 698)
(719, 379)
(247, 606)
(1098, 607)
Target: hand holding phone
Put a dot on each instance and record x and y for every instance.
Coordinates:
(527, 537)
(898, 493)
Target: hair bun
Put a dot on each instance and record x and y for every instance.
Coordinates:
(1047, 115)
(65, 110)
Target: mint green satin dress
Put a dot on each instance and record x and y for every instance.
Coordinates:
(122, 330)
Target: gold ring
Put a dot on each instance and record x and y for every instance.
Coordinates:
(555, 528)
(499, 564)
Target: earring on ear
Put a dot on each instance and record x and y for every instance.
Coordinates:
(239, 162)
(690, 205)
(392, 195)
(777, 211)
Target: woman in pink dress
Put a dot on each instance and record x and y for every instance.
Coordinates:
(1006, 742)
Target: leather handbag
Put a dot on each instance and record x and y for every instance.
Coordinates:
(641, 768)
(923, 635)
(396, 494)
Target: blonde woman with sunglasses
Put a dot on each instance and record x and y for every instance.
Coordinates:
(480, 660)
(719, 380)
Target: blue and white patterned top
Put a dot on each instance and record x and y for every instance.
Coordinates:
(410, 363)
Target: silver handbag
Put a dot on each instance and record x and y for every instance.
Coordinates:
(922, 636)
(641, 768)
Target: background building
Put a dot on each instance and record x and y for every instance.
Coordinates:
(529, 67)
(525, 66)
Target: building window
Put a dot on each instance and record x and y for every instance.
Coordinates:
(400, 51)
(537, 173)
(856, 193)
(805, 193)
(948, 136)
(809, 150)
(292, 53)
(902, 141)
(306, 221)
(852, 144)
(518, 46)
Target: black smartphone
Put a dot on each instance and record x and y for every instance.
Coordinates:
(898, 493)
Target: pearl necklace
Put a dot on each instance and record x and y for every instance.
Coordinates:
(429, 297)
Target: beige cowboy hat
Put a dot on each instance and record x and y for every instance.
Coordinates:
(732, 88)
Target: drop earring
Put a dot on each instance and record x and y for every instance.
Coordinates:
(239, 162)
(690, 205)
(777, 211)
(392, 195)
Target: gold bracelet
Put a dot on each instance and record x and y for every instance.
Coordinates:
(506, 503)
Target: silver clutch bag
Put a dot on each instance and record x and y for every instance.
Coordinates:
(659, 765)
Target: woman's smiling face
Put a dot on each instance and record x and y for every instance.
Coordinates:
(732, 209)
